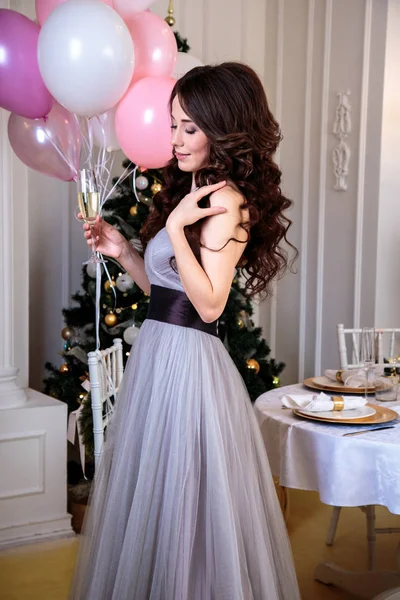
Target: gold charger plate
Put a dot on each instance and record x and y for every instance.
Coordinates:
(382, 415)
(310, 383)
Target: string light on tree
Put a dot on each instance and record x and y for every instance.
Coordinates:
(64, 368)
(133, 210)
(276, 382)
(155, 188)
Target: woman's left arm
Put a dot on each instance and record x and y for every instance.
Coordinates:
(207, 286)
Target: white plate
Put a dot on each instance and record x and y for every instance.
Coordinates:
(326, 382)
(339, 415)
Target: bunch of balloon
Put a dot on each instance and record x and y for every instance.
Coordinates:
(87, 78)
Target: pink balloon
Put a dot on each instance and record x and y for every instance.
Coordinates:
(29, 138)
(155, 46)
(45, 7)
(22, 90)
(143, 122)
(127, 8)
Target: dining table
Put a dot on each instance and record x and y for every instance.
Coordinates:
(347, 464)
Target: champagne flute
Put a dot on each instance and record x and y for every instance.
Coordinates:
(89, 205)
(367, 353)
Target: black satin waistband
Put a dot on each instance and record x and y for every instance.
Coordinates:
(173, 306)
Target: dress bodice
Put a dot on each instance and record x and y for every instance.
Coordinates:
(157, 262)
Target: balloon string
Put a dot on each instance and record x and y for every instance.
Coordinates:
(68, 162)
(120, 179)
(134, 184)
(98, 295)
(98, 283)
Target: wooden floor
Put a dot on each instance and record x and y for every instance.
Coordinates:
(43, 571)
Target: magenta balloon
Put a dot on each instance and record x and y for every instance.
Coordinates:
(143, 122)
(45, 7)
(155, 45)
(22, 90)
(29, 138)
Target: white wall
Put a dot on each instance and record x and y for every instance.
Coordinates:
(306, 51)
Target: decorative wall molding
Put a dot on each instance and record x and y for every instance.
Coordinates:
(34, 441)
(341, 152)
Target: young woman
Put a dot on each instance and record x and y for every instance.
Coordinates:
(184, 506)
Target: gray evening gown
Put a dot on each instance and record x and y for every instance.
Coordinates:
(183, 505)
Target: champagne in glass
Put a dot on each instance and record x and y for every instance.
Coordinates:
(89, 205)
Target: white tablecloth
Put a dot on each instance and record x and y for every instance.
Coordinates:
(346, 471)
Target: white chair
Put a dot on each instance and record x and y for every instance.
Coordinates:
(385, 343)
(106, 368)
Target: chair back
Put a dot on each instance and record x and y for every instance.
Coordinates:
(106, 368)
(385, 346)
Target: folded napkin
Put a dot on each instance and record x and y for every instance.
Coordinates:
(320, 402)
(352, 377)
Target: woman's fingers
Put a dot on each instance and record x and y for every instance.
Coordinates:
(208, 189)
(214, 210)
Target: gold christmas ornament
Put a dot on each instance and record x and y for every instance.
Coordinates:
(253, 365)
(110, 319)
(170, 18)
(107, 286)
(67, 333)
(155, 188)
(133, 210)
(64, 368)
(240, 323)
(276, 382)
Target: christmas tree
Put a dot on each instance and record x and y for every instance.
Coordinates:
(124, 306)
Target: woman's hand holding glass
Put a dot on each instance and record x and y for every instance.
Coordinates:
(105, 238)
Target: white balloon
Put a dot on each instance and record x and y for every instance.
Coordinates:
(184, 63)
(85, 56)
(130, 334)
(103, 127)
(124, 282)
(127, 8)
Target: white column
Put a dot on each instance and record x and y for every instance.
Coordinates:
(13, 274)
(387, 273)
(33, 444)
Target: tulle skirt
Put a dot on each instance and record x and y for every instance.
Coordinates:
(183, 506)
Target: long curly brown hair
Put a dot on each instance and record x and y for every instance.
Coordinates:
(228, 103)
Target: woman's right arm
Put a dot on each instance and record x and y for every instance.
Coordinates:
(111, 242)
